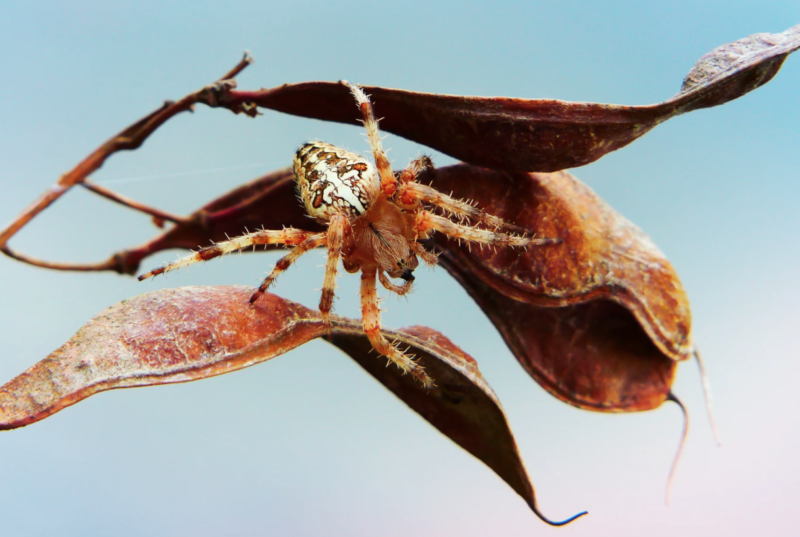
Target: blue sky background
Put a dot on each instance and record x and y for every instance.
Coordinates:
(308, 444)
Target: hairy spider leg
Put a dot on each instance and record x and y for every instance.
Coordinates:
(338, 231)
(426, 222)
(414, 168)
(288, 237)
(314, 241)
(429, 258)
(412, 193)
(371, 319)
(390, 286)
(388, 181)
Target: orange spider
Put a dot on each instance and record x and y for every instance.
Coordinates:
(374, 222)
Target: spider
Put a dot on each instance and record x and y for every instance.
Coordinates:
(375, 220)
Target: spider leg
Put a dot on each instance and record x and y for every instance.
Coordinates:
(337, 229)
(289, 236)
(371, 318)
(429, 258)
(426, 222)
(414, 168)
(390, 286)
(388, 181)
(313, 241)
(412, 193)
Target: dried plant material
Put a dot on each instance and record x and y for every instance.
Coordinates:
(128, 139)
(593, 355)
(542, 135)
(192, 333)
(598, 320)
(602, 254)
(502, 133)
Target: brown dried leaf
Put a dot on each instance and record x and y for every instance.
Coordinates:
(554, 305)
(541, 135)
(598, 320)
(191, 333)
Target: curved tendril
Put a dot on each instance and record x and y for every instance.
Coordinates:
(707, 394)
(556, 523)
(671, 397)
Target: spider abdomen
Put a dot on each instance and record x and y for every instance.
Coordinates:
(334, 181)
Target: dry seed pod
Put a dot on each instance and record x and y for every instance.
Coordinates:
(542, 135)
(191, 333)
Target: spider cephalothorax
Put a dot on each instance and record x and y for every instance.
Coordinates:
(374, 220)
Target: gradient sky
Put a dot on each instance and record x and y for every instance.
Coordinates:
(308, 444)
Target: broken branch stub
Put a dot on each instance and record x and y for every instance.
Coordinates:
(542, 135)
(191, 333)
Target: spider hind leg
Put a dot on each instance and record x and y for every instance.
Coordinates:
(315, 240)
(288, 237)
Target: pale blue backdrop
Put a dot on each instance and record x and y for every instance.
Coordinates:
(310, 445)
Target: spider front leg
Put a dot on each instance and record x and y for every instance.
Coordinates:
(371, 319)
(314, 241)
(425, 223)
(414, 168)
(410, 195)
(288, 237)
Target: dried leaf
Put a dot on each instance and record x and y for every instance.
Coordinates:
(593, 355)
(602, 255)
(541, 135)
(192, 333)
(554, 305)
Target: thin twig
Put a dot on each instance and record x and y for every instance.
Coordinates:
(129, 139)
(157, 214)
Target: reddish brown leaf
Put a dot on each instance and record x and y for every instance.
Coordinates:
(192, 333)
(554, 305)
(535, 134)
(593, 355)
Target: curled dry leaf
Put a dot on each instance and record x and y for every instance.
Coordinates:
(599, 320)
(191, 333)
(541, 135)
